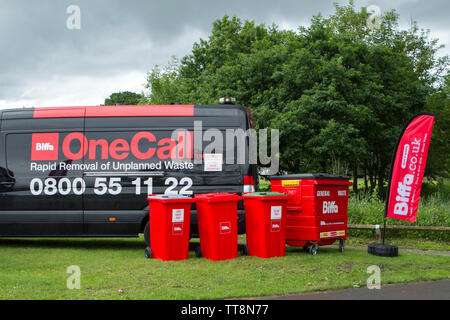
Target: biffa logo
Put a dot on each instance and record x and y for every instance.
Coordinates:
(44, 146)
(225, 227)
(177, 229)
(330, 207)
(275, 226)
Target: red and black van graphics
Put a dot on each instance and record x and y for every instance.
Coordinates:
(72, 171)
(142, 145)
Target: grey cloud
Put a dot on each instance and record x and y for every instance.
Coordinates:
(119, 36)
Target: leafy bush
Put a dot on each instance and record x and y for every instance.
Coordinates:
(433, 211)
(264, 184)
(439, 187)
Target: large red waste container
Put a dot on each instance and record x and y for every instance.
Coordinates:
(265, 223)
(169, 227)
(316, 210)
(217, 224)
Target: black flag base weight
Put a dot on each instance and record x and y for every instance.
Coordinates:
(382, 250)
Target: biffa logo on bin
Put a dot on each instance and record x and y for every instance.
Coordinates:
(275, 226)
(177, 229)
(330, 207)
(225, 227)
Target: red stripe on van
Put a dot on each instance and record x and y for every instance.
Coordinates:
(116, 111)
(68, 112)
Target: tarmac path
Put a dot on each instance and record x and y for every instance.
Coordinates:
(429, 290)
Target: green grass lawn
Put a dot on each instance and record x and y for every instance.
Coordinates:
(36, 269)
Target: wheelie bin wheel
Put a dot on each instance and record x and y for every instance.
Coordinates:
(245, 250)
(198, 252)
(313, 249)
(341, 245)
(147, 234)
(148, 252)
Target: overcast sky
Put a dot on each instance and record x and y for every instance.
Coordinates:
(44, 63)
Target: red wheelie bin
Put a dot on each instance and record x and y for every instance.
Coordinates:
(316, 210)
(169, 227)
(265, 223)
(217, 224)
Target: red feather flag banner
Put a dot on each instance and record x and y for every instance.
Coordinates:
(408, 166)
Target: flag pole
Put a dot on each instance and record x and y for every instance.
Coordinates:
(399, 161)
(383, 249)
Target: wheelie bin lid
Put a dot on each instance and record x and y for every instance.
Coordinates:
(217, 197)
(266, 196)
(314, 176)
(170, 198)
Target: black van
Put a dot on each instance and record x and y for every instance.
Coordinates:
(87, 171)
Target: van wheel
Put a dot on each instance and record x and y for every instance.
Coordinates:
(147, 234)
(245, 250)
(148, 252)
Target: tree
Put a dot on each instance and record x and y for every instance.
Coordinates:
(123, 98)
(438, 165)
(161, 84)
(339, 90)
